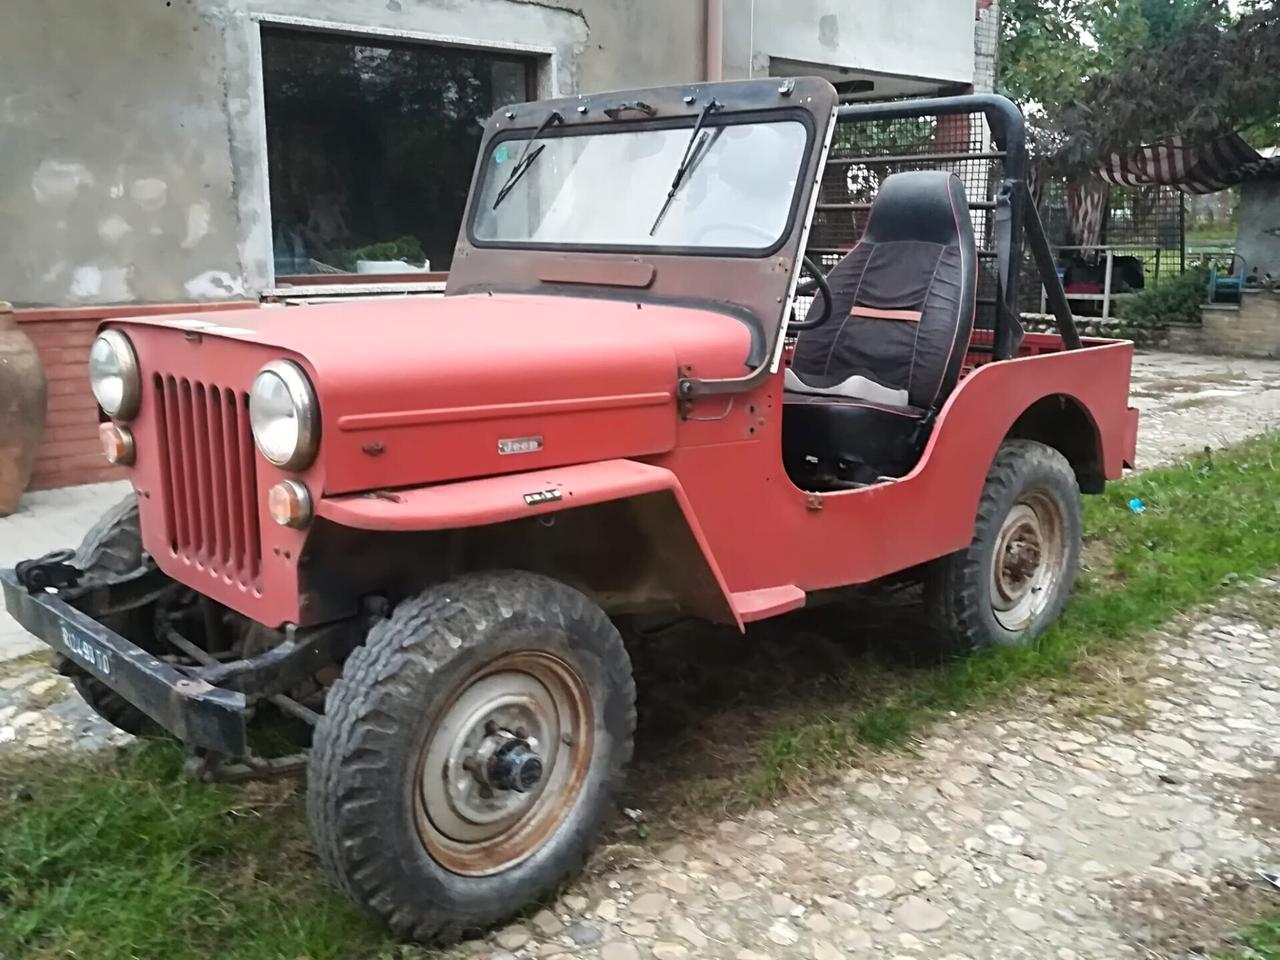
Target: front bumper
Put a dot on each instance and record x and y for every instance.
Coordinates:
(193, 710)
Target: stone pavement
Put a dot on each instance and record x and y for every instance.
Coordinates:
(1190, 402)
(1022, 833)
(48, 520)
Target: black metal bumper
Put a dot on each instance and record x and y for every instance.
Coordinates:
(196, 712)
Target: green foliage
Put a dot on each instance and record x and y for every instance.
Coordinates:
(1175, 300)
(1213, 75)
(1111, 75)
(1259, 942)
(408, 249)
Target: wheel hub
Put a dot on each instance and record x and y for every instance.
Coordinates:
(503, 762)
(1028, 560)
(514, 767)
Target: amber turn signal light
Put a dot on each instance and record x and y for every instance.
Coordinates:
(117, 443)
(289, 503)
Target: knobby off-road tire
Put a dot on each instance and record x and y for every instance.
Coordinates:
(387, 793)
(1013, 580)
(112, 547)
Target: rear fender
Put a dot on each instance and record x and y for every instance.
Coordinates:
(620, 530)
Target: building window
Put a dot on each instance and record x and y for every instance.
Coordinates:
(371, 145)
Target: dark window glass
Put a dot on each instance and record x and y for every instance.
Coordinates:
(370, 147)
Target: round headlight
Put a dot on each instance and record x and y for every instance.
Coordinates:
(282, 411)
(113, 374)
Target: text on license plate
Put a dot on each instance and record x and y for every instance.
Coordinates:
(86, 651)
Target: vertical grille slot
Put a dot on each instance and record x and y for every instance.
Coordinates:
(208, 468)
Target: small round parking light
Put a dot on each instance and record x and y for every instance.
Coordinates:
(117, 443)
(289, 503)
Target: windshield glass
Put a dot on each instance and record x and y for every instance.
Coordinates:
(607, 188)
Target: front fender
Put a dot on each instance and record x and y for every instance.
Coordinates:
(496, 500)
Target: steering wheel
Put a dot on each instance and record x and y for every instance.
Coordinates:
(817, 283)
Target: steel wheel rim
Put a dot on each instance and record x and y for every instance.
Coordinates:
(1028, 560)
(467, 823)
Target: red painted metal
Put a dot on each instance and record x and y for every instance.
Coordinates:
(417, 403)
(204, 476)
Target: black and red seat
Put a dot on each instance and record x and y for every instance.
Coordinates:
(864, 388)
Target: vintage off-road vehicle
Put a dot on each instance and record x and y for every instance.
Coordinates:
(411, 524)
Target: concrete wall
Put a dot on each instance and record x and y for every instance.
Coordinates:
(1258, 240)
(928, 39)
(133, 163)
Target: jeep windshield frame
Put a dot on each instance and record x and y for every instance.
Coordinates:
(753, 283)
(726, 204)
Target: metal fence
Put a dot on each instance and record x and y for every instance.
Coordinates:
(1144, 227)
(864, 154)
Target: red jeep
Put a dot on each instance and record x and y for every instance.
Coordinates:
(411, 524)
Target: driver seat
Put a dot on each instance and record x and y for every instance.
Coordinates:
(863, 388)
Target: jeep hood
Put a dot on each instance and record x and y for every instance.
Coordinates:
(420, 390)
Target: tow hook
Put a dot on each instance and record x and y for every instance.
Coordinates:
(51, 570)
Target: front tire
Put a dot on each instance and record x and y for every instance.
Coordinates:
(1012, 582)
(113, 548)
(469, 752)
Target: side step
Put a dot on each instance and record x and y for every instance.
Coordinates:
(768, 602)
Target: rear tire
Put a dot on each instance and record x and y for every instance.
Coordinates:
(113, 548)
(406, 808)
(1012, 582)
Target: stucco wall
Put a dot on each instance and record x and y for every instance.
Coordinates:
(1258, 240)
(929, 39)
(133, 163)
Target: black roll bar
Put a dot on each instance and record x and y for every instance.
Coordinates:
(1016, 214)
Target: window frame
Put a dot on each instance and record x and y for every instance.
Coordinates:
(727, 119)
(544, 69)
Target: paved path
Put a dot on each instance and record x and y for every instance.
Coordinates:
(48, 520)
(1023, 833)
(1190, 402)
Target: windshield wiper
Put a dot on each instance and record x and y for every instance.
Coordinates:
(526, 157)
(693, 152)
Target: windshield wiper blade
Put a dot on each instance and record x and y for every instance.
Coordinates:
(526, 157)
(693, 151)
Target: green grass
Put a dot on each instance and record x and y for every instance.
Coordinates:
(128, 859)
(1259, 942)
(125, 859)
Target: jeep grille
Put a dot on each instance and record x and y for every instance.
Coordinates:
(208, 467)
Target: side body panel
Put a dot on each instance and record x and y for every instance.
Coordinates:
(765, 538)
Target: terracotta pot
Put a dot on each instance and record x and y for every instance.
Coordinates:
(22, 406)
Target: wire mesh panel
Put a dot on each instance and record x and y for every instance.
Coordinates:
(864, 153)
(1141, 226)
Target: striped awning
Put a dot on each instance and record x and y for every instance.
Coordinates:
(1198, 168)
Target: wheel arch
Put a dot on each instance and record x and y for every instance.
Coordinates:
(1064, 423)
(631, 547)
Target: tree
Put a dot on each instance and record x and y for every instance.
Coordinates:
(1098, 76)
(1213, 75)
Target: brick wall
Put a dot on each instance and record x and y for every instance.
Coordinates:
(69, 451)
(1252, 330)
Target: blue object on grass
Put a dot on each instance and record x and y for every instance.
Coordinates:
(1137, 506)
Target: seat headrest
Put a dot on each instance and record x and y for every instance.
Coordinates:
(924, 205)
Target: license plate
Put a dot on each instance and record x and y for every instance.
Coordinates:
(86, 650)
